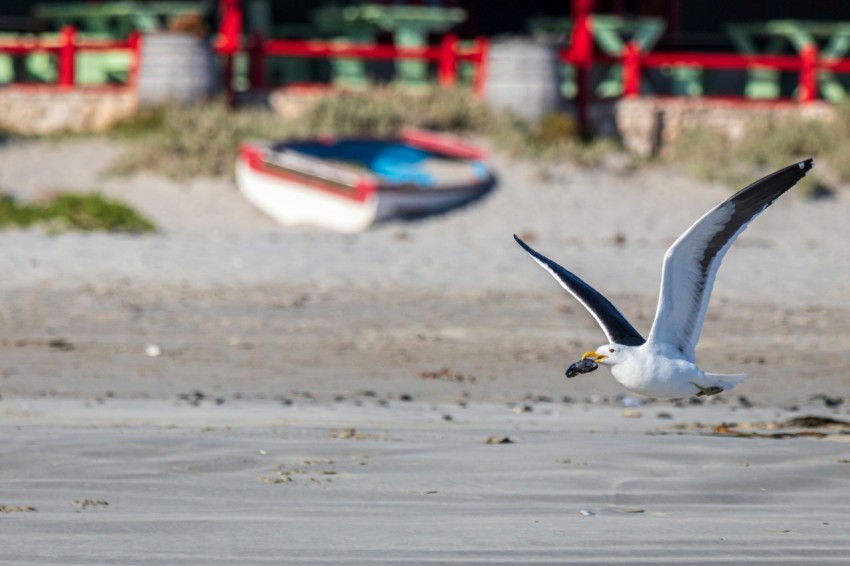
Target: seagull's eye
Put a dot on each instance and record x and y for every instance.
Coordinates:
(611, 350)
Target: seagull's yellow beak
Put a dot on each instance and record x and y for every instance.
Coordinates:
(593, 356)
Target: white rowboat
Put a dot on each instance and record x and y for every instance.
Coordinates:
(347, 185)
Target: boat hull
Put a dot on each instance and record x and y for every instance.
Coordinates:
(295, 188)
(292, 203)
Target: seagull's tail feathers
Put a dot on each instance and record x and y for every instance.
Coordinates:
(726, 381)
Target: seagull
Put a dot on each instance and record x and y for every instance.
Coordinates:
(664, 365)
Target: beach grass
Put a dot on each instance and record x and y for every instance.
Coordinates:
(196, 140)
(82, 212)
(768, 144)
(202, 139)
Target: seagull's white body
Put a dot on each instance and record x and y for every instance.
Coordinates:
(664, 364)
(658, 370)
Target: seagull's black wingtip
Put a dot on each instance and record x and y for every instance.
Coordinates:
(523, 245)
(807, 165)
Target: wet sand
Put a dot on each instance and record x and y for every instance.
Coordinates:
(253, 482)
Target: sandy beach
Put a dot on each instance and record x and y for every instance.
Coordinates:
(231, 391)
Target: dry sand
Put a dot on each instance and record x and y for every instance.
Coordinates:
(326, 398)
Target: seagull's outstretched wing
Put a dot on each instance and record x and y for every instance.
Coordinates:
(691, 263)
(613, 323)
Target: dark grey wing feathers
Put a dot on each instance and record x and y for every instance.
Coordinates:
(613, 323)
(750, 201)
(691, 263)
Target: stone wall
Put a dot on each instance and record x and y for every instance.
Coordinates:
(650, 126)
(50, 109)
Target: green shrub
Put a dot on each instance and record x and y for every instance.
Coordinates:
(13, 214)
(72, 211)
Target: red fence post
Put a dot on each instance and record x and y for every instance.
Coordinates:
(135, 44)
(808, 87)
(479, 79)
(447, 64)
(581, 55)
(229, 42)
(230, 29)
(631, 70)
(257, 61)
(67, 48)
(227, 78)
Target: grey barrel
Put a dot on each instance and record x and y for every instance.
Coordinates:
(175, 67)
(522, 76)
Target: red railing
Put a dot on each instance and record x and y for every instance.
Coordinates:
(447, 55)
(583, 55)
(806, 65)
(66, 47)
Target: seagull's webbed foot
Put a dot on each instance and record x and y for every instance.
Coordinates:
(707, 391)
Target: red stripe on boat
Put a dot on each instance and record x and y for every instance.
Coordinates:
(441, 143)
(252, 155)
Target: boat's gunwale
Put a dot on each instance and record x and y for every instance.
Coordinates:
(264, 158)
(358, 197)
(278, 160)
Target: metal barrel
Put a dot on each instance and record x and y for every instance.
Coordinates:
(522, 76)
(176, 67)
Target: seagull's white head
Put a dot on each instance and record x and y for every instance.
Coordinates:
(607, 355)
